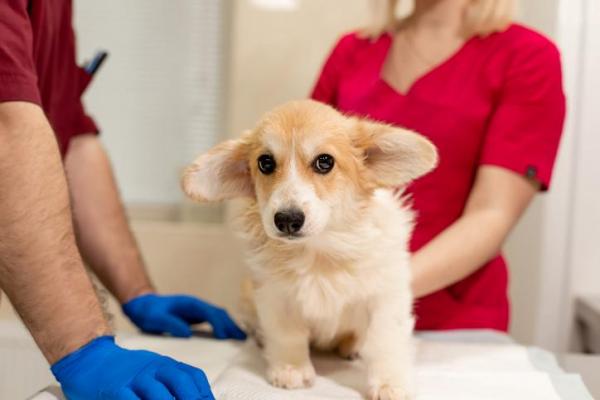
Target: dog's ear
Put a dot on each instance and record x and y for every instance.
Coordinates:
(395, 155)
(219, 174)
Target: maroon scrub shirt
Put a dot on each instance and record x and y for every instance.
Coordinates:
(497, 101)
(37, 64)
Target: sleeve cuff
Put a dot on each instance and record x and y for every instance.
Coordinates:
(14, 88)
(528, 170)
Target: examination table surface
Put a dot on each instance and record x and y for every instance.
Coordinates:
(452, 365)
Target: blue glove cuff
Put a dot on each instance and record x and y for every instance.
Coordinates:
(63, 366)
(129, 307)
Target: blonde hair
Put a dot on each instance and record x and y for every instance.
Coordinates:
(482, 17)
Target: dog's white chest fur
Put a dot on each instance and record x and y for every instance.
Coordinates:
(326, 294)
(330, 283)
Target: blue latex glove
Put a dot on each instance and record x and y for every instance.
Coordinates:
(157, 314)
(101, 370)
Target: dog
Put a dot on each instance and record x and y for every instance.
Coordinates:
(327, 235)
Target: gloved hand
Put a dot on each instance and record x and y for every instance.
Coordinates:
(154, 313)
(101, 370)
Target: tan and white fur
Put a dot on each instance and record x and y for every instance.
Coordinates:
(340, 278)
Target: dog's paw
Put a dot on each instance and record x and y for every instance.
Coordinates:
(387, 392)
(291, 377)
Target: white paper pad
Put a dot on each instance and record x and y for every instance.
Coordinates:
(447, 371)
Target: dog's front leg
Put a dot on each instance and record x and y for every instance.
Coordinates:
(388, 354)
(286, 344)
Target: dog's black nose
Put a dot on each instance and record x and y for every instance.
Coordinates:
(289, 221)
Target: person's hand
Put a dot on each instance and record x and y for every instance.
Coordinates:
(157, 314)
(103, 370)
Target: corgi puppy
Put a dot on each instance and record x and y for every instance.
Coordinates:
(327, 237)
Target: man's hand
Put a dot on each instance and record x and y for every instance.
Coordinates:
(103, 370)
(157, 314)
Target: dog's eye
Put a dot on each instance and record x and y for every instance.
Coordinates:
(266, 164)
(323, 163)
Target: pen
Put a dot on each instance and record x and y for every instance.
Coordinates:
(92, 66)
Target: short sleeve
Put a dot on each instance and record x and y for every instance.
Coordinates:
(525, 128)
(18, 79)
(325, 89)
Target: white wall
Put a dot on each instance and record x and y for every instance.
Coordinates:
(525, 247)
(580, 36)
(276, 54)
(585, 240)
(570, 256)
(541, 14)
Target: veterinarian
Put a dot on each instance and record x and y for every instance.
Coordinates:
(488, 93)
(44, 236)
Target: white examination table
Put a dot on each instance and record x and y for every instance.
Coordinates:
(465, 365)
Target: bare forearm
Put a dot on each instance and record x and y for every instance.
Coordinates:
(496, 202)
(458, 251)
(40, 267)
(103, 233)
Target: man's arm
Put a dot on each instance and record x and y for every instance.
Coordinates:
(40, 268)
(496, 202)
(43, 275)
(101, 227)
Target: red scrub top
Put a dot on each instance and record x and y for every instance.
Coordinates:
(497, 101)
(37, 64)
